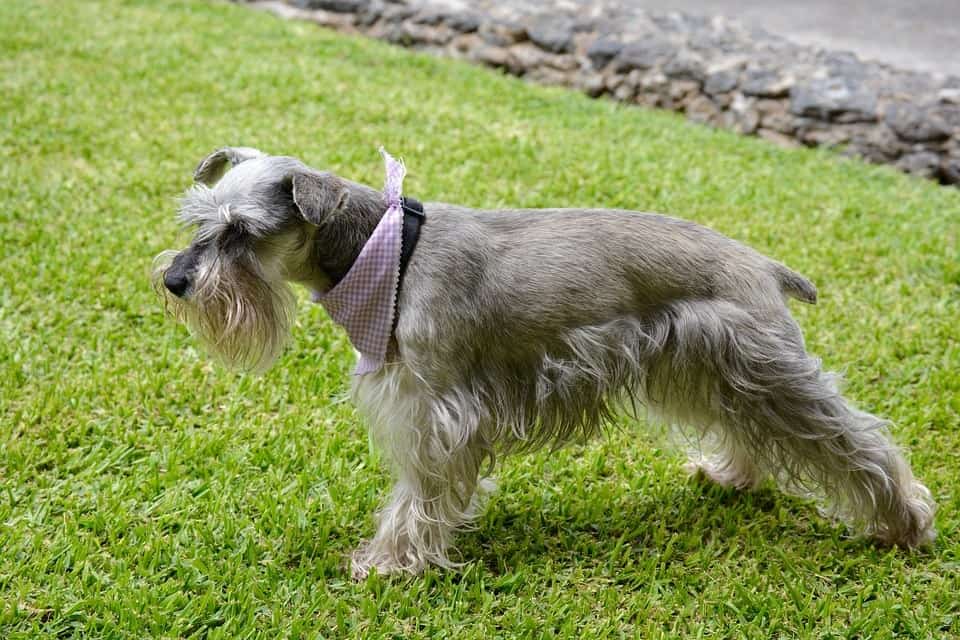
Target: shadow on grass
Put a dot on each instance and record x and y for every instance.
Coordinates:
(694, 524)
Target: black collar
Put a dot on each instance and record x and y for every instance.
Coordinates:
(413, 217)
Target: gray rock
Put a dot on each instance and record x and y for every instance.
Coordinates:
(428, 34)
(950, 170)
(338, 6)
(781, 122)
(645, 54)
(652, 100)
(331, 19)
(845, 64)
(827, 98)
(555, 34)
(775, 116)
(591, 84)
(367, 16)
(492, 56)
(950, 114)
(723, 100)
(701, 109)
(802, 127)
(678, 22)
(746, 117)
(710, 43)
(525, 57)
(650, 82)
(613, 80)
(769, 105)
(589, 24)
(916, 124)
(685, 65)
(464, 44)
(633, 79)
(430, 16)
(463, 22)
(744, 123)
(826, 136)
(548, 76)
(747, 123)
(396, 12)
(682, 91)
(402, 33)
(602, 50)
(909, 85)
(921, 163)
(949, 95)
(624, 92)
(721, 82)
(765, 83)
(778, 138)
(502, 34)
(878, 144)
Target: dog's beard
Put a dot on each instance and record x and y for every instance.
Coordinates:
(240, 316)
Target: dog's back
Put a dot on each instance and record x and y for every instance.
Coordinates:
(550, 269)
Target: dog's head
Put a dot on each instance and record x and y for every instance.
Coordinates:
(260, 223)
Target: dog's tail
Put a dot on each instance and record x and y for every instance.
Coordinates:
(795, 285)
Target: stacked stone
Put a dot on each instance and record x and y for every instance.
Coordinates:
(714, 70)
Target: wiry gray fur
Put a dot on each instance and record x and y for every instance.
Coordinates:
(527, 328)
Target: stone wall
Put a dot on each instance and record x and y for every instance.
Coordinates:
(713, 69)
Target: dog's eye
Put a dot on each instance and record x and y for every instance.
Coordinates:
(233, 235)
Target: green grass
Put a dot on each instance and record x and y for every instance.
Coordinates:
(145, 492)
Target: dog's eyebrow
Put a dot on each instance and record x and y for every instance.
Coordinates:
(198, 205)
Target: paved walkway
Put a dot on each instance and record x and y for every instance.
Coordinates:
(923, 35)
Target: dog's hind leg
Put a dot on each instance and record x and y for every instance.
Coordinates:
(437, 459)
(788, 418)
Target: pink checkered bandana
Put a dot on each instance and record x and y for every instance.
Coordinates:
(364, 301)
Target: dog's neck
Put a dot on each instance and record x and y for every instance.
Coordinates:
(339, 240)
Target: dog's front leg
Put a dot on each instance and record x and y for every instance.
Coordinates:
(437, 456)
(417, 525)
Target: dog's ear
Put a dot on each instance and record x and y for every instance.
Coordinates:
(318, 195)
(212, 168)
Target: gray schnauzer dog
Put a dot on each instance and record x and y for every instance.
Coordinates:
(517, 329)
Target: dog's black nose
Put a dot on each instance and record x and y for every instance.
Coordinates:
(176, 283)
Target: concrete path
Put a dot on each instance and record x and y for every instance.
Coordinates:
(923, 35)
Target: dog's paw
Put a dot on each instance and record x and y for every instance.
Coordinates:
(358, 569)
(369, 558)
(912, 524)
(722, 473)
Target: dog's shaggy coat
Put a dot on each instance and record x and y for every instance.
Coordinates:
(526, 328)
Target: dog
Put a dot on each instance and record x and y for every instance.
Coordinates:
(517, 329)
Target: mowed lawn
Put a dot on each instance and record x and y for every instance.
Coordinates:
(145, 492)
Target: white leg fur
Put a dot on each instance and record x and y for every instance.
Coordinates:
(733, 469)
(438, 489)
